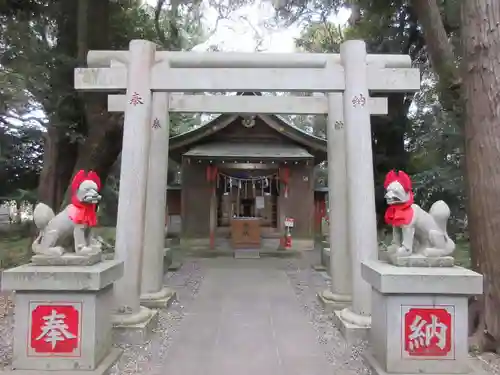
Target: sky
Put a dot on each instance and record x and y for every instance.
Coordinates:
(246, 25)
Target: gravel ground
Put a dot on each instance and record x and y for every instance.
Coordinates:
(344, 359)
(144, 359)
(148, 359)
(490, 362)
(6, 331)
(307, 283)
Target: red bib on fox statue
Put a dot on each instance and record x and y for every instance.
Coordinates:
(82, 212)
(399, 214)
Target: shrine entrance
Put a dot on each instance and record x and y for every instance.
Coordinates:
(247, 194)
(236, 171)
(156, 83)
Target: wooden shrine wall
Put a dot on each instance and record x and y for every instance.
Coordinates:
(195, 201)
(300, 202)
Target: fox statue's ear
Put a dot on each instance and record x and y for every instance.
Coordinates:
(80, 176)
(390, 178)
(94, 177)
(405, 181)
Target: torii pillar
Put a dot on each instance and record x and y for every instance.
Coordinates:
(153, 293)
(339, 295)
(133, 322)
(354, 321)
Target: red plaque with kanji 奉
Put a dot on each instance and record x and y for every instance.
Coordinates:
(428, 332)
(55, 329)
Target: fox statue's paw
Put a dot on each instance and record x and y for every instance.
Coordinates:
(96, 245)
(392, 248)
(86, 250)
(55, 251)
(403, 252)
(434, 252)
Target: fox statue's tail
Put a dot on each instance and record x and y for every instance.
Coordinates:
(441, 213)
(42, 215)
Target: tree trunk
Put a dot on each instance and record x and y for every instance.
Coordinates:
(104, 131)
(389, 147)
(58, 161)
(101, 131)
(441, 54)
(481, 90)
(60, 151)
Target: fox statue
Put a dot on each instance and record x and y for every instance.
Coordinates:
(415, 232)
(72, 226)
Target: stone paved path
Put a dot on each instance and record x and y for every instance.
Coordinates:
(246, 319)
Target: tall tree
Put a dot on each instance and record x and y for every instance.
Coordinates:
(395, 32)
(481, 90)
(41, 44)
(430, 30)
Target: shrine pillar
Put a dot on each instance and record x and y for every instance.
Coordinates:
(354, 321)
(130, 319)
(153, 293)
(339, 295)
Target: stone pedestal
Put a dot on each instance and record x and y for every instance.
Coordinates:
(135, 328)
(325, 258)
(167, 259)
(158, 300)
(165, 296)
(353, 327)
(419, 318)
(325, 231)
(63, 317)
(333, 302)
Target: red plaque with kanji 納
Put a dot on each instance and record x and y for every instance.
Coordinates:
(55, 329)
(428, 332)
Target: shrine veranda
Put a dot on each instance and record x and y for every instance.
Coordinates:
(368, 296)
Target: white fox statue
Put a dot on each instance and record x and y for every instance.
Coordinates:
(414, 231)
(72, 226)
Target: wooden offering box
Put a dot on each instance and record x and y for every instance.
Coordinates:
(245, 232)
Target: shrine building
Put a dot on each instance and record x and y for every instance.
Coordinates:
(242, 176)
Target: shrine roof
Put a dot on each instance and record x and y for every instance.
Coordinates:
(279, 123)
(249, 151)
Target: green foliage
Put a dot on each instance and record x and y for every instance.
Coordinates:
(429, 135)
(15, 245)
(320, 37)
(435, 143)
(20, 162)
(37, 56)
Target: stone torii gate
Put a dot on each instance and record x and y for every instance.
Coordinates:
(153, 294)
(152, 81)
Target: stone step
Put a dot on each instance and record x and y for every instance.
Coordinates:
(246, 253)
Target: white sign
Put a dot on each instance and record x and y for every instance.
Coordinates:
(289, 222)
(259, 203)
